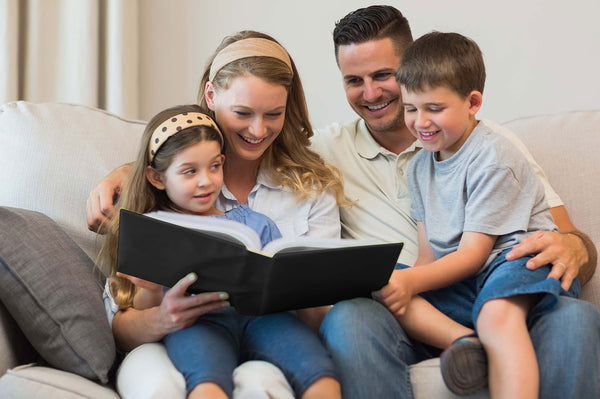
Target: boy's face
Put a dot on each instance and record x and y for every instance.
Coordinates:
(440, 118)
(371, 89)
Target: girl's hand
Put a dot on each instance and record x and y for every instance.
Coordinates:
(396, 295)
(180, 310)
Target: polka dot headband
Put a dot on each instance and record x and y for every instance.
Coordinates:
(252, 47)
(174, 125)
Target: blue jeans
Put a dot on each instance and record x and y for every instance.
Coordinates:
(219, 341)
(373, 354)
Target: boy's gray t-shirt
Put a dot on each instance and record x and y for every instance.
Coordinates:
(487, 187)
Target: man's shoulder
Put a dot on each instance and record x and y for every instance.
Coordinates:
(335, 136)
(500, 133)
(339, 131)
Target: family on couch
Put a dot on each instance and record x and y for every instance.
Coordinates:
(261, 110)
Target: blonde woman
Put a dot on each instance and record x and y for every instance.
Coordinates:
(254, 93)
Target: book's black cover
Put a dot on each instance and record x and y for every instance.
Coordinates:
(257, 284)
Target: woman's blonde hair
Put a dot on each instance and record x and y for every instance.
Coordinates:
(138, 195)
(293, 164)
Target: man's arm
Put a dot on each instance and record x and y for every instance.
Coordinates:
(570, 251)
(100, 205)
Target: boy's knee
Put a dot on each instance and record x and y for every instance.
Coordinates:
(502, 315)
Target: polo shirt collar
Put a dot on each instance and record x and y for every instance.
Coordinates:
(368, 148)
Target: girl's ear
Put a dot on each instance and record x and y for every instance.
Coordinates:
(154, 178)
(475, 101)
(209, 95)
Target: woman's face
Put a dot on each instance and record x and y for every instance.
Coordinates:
(250, 113)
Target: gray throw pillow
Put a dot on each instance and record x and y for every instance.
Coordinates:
(49, 286)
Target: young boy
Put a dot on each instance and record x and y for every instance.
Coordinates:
(474, 196)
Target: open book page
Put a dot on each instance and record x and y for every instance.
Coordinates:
(224, 228)
(307, 243)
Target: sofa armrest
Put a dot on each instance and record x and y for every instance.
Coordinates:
(14, 347)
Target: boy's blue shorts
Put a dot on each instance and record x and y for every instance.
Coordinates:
(501, 279)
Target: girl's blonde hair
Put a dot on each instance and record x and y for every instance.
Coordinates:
(140, 196)
(293, 164)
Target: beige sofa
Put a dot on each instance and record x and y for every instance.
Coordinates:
(54, 154)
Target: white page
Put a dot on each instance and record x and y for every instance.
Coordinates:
(281, 244)
(239, 231)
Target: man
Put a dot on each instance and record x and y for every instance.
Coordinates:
(373, 356)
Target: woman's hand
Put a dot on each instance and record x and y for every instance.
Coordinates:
(147, 294)
(178, 309)
(100, 206)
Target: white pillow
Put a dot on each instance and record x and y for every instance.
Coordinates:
(54, 154)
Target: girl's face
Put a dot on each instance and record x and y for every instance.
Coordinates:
(251, 113)
(194, 178)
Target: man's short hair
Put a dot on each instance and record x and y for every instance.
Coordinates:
(373, 23)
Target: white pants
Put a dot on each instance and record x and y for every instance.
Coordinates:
(147, 373)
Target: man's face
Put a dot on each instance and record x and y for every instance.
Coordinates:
(371, 89)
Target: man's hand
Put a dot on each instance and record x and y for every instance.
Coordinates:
(566, 253)
(100, 206)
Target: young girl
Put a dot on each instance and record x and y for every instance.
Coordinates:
(179, 168)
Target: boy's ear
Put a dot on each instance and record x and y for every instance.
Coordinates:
(475, 101)
(154, 178)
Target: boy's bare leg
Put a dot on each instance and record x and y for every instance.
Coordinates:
(502, 328)
(425, 323)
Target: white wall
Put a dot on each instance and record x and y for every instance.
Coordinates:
(541, 56)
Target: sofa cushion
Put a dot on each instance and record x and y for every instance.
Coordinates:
(566, 146)
(428, 383)
(30, 381)
(48, 285)
(54, 154)
(14, 348)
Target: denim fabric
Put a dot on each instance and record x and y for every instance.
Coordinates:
(265, 228)
(373, 354)
(501, 279)
(219, 341)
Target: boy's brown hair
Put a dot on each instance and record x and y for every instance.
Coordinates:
(442, 59)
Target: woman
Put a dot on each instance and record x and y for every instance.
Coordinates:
(253, 89)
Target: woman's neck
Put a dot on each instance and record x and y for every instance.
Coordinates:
(240, 176)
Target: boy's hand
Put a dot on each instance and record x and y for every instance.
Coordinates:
(397, 294)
